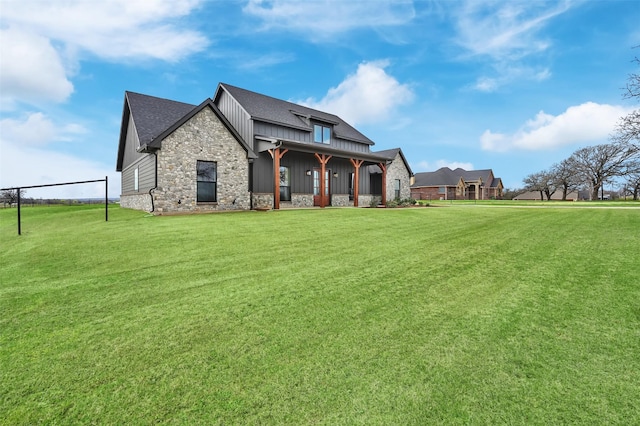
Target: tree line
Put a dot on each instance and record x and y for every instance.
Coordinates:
(590, 168)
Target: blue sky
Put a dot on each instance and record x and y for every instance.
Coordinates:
(512, 86)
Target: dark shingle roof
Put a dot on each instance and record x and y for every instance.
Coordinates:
(447, 177)
(265, 108)
(442, 176)
(390, 154)
(152, 115)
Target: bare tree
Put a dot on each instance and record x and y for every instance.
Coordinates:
(628, 128)
(542, 182)
(566, 177)
(603, 163)
(10, 196)
(633, 185)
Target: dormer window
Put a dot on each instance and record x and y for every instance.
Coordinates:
(321, 134)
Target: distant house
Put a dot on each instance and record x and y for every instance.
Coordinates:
(458, 184)
(556, 196)
(242, 150)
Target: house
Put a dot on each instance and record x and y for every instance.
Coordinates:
(458, 184)
(243, 150)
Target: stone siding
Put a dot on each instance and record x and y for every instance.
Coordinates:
(397, 170)
(340, 200)
(302, 200)
(262, 200)
(204, 137)
(136, 202)
(365, 200)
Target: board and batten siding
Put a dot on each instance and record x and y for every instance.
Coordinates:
(305, 136)
(281, 132)
(146, 175)
(299, 163)
(346, 145)
(237, 116)
(132, 143)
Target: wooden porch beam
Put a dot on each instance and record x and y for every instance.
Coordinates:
(276, 154)
(356, 179)
(383, 167)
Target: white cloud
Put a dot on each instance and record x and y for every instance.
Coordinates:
(26, 160)
(37, 129)
(506, 33)
(582, 124)
(35, 166)
(323, 19)
(31, 69)
(367, 96)
(509, 73)
(433, 166)
(48, 36)
(505, 30)
(31, 165)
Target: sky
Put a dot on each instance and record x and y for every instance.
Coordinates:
(505, 85)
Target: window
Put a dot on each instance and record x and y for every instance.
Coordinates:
(135, 180)
(321, 134)
(396, 189)
(207, 178)
(351, 178)
(441, 190)
(285, 185)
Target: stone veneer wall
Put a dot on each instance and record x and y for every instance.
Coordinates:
(365, 200)
(302, 200)
(204, 138)
(136, 201)
(340, 200)
(262, 200)
(397, 170)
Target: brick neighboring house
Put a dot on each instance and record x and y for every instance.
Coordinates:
(556, 196)
(242, 150)
(458, 184)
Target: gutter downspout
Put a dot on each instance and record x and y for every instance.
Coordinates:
(153, 207)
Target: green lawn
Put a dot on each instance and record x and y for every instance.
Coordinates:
(448, 315)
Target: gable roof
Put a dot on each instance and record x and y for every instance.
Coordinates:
(208, 103)
(447, 177)
(441, 177)
(153, 116)
(271, 110)
(156, 118)
(390, 154)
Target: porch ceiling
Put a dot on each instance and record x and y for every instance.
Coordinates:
(371, 158)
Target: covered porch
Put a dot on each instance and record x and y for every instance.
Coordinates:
(308, 175)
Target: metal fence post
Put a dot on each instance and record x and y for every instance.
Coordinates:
(106, 198)
(19, 227)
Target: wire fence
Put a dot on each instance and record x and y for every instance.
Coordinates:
(19, 190)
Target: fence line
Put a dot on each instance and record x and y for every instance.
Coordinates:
(106, 195)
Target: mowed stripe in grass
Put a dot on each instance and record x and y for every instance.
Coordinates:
(376, 316)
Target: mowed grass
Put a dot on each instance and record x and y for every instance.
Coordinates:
(448, 315)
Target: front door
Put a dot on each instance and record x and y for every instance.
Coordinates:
(316, 187)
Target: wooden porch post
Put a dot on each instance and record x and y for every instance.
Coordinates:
(356, 179)
(383, 166)
(323, 159)
(276, 154)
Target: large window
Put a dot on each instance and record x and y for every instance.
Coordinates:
(396, 189)
(207, 177)
(321, 134)
(136, 180)
(351, 185)
(285, 184)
